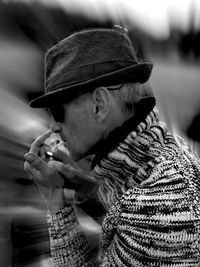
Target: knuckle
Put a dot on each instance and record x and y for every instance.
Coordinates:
(34, 164)
(60, 168)
(26, 166)
(37, 165)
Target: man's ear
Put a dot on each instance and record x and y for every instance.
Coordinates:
(102, 102)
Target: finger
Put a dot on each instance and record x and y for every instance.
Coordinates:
(73, 178)
(65, 169)
(27, 169)
(35, 176)
(61, 153)
(32, 173)
(43, 173)
(39, 141)
(37, 163)
(69, 172)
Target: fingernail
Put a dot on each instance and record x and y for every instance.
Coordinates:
(29, 157)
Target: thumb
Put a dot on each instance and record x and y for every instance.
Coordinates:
(62, 153)
(35, 161)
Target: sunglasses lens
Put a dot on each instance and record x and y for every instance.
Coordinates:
(58, 113)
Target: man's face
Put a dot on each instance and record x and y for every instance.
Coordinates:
(77, 127)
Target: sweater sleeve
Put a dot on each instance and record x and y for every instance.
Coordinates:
(68, 244)
(155, 227)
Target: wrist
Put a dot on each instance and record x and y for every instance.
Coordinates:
(55, 200)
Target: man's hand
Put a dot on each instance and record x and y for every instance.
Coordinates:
(52, 176)
(48, 181)
(82, 180)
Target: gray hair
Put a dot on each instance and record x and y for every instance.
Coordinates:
(128, 95)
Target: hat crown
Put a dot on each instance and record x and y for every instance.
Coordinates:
(88, 59)
(89, 47)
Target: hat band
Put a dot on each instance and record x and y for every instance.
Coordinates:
(67, 78)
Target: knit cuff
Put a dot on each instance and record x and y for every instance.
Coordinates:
(61, 222)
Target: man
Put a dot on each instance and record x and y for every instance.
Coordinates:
(146, 178)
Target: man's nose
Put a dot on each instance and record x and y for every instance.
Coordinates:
(55, 127)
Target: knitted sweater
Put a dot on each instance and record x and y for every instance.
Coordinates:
(149, 185)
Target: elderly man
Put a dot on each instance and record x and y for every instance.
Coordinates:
(146, 177)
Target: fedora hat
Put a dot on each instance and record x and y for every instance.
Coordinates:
(86, 60)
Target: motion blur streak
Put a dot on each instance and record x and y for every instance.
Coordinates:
(166, 32)
(23, 232)
(153, 16)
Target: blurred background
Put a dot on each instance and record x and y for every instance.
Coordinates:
(165, 32)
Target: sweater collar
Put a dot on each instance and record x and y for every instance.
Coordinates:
(143, 108)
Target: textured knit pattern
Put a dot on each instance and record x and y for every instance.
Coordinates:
(149, 185)
(69, 246)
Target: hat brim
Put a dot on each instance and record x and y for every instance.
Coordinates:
(135, 73)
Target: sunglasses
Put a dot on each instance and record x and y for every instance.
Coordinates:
(58, 111)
